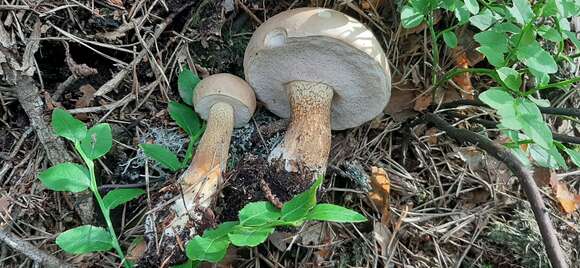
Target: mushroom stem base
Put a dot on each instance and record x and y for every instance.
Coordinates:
(306, 143)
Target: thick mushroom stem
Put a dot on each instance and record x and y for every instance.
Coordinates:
(307, 140)
(201, 180)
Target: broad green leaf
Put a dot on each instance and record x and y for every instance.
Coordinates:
(85, 239)
(549, 158)
(574, 156)
(258, 213)
(493, 46)
(540, 78)
(186, 83)
(549, 33)
(495, 57)
(212, 246)
(65, 125)
(521, 155)
(567, 8)
(423, 6)
(411, 17)
(334, 213)
(483, 21)
(297, 208)
(162, 155)
(472, 6)
(549, 9)
(185, 117)
(540, 102)
(98, 141)
(448, 4)
(506, 27)
(533, 123)
(242, 236)
(121, 196)
(535, 57)
(521, 11)
(461, 13)
(69, 177)
(510, 77)
(504, 103)
(450, 39)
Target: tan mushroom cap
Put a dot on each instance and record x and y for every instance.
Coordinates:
(226, 88)
(319, 45)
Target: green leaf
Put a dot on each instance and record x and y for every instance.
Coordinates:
(549, 158)
(212, 246)
(506, 27)
(410, 17)
(85, 239)
(574, 156)
(540, 102)
(521, 11)
(540, 78)
(461, 13)
(98, 141)
(185, 117)
(521, 155)
(297, 208)
(249, 236)
(258, 213)
(423, 6)
(334, 213)
(504, 103)
(493, 46)
(535, 57)
(65, 125)
(121, 196)
(186, 83)
(510, 77)
(69, 177)
(450, 39)
(162, 155)
(567, 8)
(549, 33)
(533, 123)
(472, 6)
(573, 38)
(483, 21)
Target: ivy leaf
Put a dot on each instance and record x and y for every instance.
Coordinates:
(574, 156)
(535, 57)
(297, 208)
(85, 239)
(258, 213)
(185, 117)
(121, 196)
(69, 177)
(521, 11)
(65, 125)
(186, 83)
(334, 213)
(533, 123)
(510, 77)
(98, 141)
(549, 158)
(212, 246)
(411, 17)
(450, 39)
(472, 6)
(483, 21)
(249, 236)
(162, 155)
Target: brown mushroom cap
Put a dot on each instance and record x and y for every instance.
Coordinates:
(226, 88)
(319, 45)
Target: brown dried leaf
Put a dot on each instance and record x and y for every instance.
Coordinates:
(423, 102)
(431, 133)
(370, 5)
(568, 200)
(463, 80)
(88, 96)
(381, 190)
(136, 249)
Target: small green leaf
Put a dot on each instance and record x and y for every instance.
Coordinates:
(65, 125)
(533, 123)
(472, 6)
(98, 141)
(535, 57)
(297, 208)
(497, 99)
(574, 156)
(85, 239)
(506, 27)
(334, 213)
(162, 155)
(258, 213)
(121, 196)
(410, 17)
(549, 33)
(69, 177)
(550, 158)
(510, 77)
(483, 21)
(249, 236)
(186, 83)
(540, 102)
(521, 11)
(493, 46)
(450, 39)
(185, 117)
(461, 13)
(212, 246)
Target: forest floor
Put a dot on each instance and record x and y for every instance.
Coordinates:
(448, 204)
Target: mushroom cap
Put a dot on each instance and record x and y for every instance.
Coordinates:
(319, 45)
(226, 88)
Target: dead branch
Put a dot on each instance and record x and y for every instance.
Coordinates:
(553, 249)
(30, 250)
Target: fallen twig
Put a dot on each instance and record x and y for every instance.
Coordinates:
(553, 249)
(30, 250)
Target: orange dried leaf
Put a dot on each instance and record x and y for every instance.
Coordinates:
(568, 200)
(381, 190)
(423, 102)
(463, 80)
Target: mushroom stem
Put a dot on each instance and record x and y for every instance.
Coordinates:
(307, 139)
(200, 181)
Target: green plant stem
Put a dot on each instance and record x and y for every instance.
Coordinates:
(457, 71)
(106, 213)
(558, 85)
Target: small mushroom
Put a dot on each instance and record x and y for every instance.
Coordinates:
(322, 69)
(225, 101)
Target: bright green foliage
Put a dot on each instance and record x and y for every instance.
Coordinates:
(186, 83)
(85, 239)
(98, 141)
(574, 156)
(68, 177)
(185, 117)
(511, 78)
(162, 155)
(472, 6)
(411, 17)
(118, 197)
(66, 126)
(450, 39)
(259, 219)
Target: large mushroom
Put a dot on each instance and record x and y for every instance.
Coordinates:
(225, 101)
(324, 70)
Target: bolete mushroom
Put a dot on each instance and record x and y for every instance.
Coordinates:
(225, 101)
(324, 70)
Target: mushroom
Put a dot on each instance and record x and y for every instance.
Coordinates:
(225, 101)
(322, 69)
